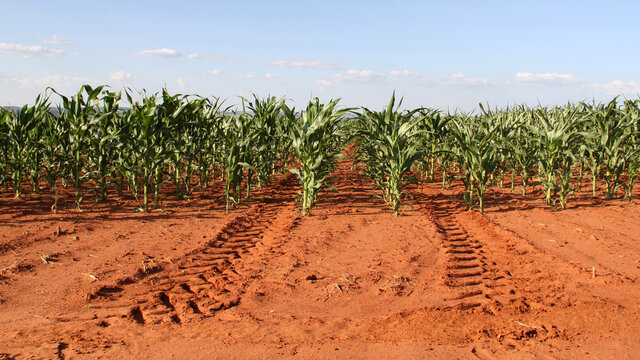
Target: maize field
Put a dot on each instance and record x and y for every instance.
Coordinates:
(136, 225)
(89, 142)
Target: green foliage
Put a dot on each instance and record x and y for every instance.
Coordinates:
(558, 135)
(20, 149)
(317, 141)
(92, 142)
(476, 152)
(609, 154)
(388, 146)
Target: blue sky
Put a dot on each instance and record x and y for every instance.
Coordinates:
(446, 54)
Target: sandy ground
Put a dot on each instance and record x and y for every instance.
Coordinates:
(351, 281)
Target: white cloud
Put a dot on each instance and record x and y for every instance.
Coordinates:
(357, 76)
(322, 82)
(461, 79)
(403, 73)
(164, 52)
(211, 72)
(182, 83)
(58, 82)
(315, 64)
(120, 76)
(266, 76)
(451, 80)
(30, 51)
(547, 78)
(350, 76)
(211, 57)
(618, 87)
(57, 40)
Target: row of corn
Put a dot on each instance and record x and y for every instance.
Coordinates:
(93, 144)
(556, 148)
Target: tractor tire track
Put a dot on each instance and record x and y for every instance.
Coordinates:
(472, 272)
(203, 281)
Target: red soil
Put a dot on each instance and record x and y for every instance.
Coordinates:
(351, 281)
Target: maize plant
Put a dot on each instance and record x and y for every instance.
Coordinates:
(208, 116)
(558, 137)
(632, 110)
(21, 151)
(235, 144)
(34, 156)
(264, 138)
(122, 122)
(610, 155)
(177, 113)
(522, 151)
(476, 152)
(436, 131)
(516, 154)
(284, 146)
(250, 143)
(4, 147)
(389, 145)
(52, 144)
(145, 148)
(103, 139)
(79, 112)
(317, 143)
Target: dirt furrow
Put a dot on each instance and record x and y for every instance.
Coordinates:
(203, 281)
(350, 281)
(473, 277)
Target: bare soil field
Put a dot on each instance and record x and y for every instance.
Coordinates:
(521, 281)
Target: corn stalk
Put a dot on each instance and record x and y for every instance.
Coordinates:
(317, 142)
